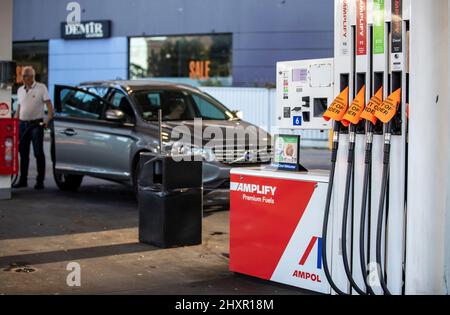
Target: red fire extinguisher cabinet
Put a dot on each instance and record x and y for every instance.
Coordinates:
(9, 146)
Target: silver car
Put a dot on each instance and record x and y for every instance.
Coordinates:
(100, 128)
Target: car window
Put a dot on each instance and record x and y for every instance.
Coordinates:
(149, 102)
(98, 90)
(209, 111)
(179, 105)
(120, 101)
(175, 105)
(76, 103)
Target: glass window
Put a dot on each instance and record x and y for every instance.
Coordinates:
(79, 104)
(179, 105)
(98, 90)
(197, 60)
(175, 105)
(117, 98)
(208, 110)
(120, 101)
(149, 103)
(33, 54)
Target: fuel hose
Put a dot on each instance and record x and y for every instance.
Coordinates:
(348, 183)
(336, 132)
(365, 194)
(381, 206)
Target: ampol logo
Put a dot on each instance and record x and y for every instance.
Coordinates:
(308, 250)
(308, 275)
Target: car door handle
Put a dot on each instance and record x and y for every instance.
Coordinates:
(69, 132)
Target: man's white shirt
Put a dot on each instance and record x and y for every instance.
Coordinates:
(32, 101)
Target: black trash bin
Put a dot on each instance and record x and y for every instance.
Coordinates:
(170, 201)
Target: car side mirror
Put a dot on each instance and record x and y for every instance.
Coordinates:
(239, 114)
(115, 115)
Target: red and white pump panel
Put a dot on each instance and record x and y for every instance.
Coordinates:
(276, 226)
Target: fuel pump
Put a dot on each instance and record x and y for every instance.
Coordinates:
(370, 53)
(304, 89)
(370, 215)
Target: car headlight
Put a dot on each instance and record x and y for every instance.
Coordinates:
(180, 148)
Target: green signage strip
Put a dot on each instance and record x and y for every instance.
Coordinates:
(378, 26)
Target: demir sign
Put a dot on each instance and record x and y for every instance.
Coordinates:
(86, 30)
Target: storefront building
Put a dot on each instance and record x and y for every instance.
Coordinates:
(200, 42)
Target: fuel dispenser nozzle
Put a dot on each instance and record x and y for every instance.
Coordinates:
(371, 120)
(336, 112)
(385, 113)
(351, 118)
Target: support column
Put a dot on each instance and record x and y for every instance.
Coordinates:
(428, 155)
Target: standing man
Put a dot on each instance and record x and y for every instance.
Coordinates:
(33, 97)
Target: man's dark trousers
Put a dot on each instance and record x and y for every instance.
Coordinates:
(31, 132)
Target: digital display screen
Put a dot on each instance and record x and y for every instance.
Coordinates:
(300, 75)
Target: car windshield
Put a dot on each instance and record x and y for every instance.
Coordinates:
(180, 105)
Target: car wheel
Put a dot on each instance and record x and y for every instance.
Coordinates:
(136, 174)
(67, 182)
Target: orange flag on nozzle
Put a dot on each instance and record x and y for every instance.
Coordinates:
(387, 110)
(372, 107)
(353, 115)
(338, 108)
